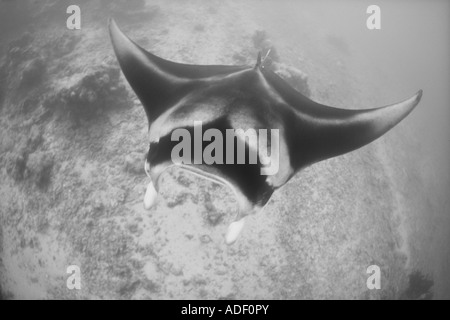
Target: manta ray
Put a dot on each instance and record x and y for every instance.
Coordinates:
(175, 95)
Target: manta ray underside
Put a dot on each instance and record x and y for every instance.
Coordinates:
(176, 95)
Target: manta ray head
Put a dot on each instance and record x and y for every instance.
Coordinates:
(250, 107)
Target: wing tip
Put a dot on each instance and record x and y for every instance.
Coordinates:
(419, 95)
(112, 25)
(414, 101)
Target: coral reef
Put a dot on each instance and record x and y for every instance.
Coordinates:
(21, 49)
(32, 72)
(28, 105)
(295, 77)
(134, 163)
(263, 44)
(96, 91)
(16, 164)
(419, 287)
(62, 45)
(26, 162)
(38, 168)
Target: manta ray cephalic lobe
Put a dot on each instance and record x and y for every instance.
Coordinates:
(176, 95)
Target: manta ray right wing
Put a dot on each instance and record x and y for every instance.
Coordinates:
(323, 132)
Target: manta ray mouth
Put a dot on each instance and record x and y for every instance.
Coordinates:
(151, 195)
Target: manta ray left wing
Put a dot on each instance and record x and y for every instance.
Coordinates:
(159, 83)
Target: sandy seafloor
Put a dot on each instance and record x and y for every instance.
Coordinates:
(74, 136)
